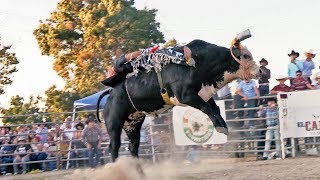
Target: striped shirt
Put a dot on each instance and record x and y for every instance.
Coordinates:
(299, 84)
(90, 135)
(271, 115)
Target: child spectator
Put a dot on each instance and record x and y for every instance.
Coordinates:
(272, 123)
(22, 154)
(43, 132)
(78, 148)
(299, 83)
(308, 64)
(281, 87)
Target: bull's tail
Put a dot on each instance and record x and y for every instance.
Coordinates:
(106, 92)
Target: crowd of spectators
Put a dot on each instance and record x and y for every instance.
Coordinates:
(37, 148)
(249, 93)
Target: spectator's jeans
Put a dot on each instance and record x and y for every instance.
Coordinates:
(272, 133)
(24, 165)
(73, 154)
(240, 104)
(6, 160)
(38, 157)
(94, 150)
(264, 90)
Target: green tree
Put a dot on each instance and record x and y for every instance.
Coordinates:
(83, 35)
(59, 101)
(18, 106)
(8, 62)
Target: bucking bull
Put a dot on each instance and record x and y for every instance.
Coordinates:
(214, 67)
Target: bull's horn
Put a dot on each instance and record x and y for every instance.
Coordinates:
(243, 35)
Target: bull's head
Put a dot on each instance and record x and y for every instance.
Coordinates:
(248, 68)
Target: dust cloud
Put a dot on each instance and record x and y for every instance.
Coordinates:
(126, 168)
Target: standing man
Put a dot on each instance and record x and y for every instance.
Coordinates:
(264, 79)
(308, 64)
(294, 65)
(92, 137)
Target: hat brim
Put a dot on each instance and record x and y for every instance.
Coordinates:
(282, 79)
(264, 61)
(313, 55)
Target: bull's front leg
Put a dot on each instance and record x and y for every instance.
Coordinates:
(192, 98)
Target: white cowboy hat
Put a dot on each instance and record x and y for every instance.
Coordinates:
(281, 77)
(310, 51)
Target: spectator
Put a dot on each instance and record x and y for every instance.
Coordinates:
(43, 132)
(247, 92)
(78, 148)
(281, 87)
(67, 119)
(317, 85)
(37, 154)
(294, 65)
(91, 136)
(6, 148)
(299, 83)
(69, 130)
(272, 122)
(51, 148)
(264, 78)
(308, 64)
(21, 132)
(21, 154)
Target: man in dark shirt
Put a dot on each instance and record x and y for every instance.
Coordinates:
(264, 79)
(22, 154)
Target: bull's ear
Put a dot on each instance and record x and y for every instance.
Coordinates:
(236, 51)
(187, 53)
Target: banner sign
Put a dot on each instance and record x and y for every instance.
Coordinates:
(192, 127)
(299, 114)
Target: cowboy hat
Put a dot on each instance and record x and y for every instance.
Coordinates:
(281, 77)
(294, 53)
(310, 51)
(263, 60)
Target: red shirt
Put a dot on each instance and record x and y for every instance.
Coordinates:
(299, 84)
(281, 87)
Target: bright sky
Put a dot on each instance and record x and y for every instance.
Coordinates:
(277, 28)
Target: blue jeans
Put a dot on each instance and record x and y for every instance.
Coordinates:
(264, 90)
(272, 133)
(94, 150)
(73, 154)
(240, 104)
(24, 165)
(38, 157)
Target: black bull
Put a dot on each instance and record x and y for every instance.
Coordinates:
(212, 63)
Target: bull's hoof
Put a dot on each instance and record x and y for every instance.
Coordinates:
(222, 130)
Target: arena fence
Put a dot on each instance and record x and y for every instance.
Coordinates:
(158, 142)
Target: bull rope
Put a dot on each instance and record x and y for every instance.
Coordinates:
(130, 97)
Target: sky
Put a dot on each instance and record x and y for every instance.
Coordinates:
(277, 27)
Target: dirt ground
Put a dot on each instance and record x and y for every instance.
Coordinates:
(293, 168)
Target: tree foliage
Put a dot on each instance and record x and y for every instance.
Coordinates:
(59, 101)
(8, 62)
(18, 106)
(83, 35)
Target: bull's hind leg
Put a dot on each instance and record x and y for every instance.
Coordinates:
(192, 99)
(132, 127)
(115, 113)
